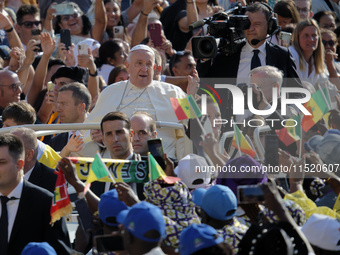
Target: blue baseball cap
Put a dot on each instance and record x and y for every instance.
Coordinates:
(197, 237)
(109, 207)
(141, 218)
(34, 248)
(219, 202)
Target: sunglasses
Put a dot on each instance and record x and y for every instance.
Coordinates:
(331, 43)
(14, 87)
(29, 24)
(67, 17)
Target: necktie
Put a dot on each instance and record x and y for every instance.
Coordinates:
(255, 61)
(4, 225)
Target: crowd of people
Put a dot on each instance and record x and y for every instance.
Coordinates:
(123, 64)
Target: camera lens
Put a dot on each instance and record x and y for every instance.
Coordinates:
(206, 46)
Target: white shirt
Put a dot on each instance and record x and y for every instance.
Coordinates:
(304, 73)
(245, 61)
(12, 206)
(105, 71)
(28, 174)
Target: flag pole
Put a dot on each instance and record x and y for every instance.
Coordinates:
(301, 132)
(107, 170)
(237, 141)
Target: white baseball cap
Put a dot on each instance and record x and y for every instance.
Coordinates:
(194, 171)
(323, 231)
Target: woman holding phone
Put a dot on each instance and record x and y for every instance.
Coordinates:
(78, 23)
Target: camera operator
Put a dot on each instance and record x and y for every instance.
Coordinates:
(237, 66)
(256, 52)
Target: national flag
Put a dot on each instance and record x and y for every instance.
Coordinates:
(97, 171)
(185, 108)
(156, 171)
(239, 141)
(290, 134)
(318, 107)
(61, 204)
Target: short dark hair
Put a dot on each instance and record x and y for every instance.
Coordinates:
(116, 116)
(317, 16)
(21, 112)
(108, 49)
(79, 92)
(260, 7)
(176, 58)
(27, 9)
(14, 144)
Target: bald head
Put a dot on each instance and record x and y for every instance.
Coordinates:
(10, 88)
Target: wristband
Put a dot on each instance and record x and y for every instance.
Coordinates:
(93, 75)
(9, 30)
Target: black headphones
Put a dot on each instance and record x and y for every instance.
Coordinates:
(272, 22)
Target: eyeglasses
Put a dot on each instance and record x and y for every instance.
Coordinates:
(67, 17)
(29, 24)
(331, 43)
(14, 87)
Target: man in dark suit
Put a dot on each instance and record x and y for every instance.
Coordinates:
(34, 171)
(256, 52)
(73, 103)
(25, 214)
(236, 66)
(117, 137)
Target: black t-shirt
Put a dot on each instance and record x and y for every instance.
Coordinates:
(170, 18)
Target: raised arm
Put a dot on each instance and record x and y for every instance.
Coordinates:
(99, 27)
(141, 31)
(7, 25)
(48, 45)
(192, 16)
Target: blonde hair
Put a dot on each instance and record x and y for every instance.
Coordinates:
(318, 54)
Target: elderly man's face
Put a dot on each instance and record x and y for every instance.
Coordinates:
(140, 65)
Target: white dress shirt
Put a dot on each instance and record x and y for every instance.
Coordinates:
(12, 206)
(245, 61)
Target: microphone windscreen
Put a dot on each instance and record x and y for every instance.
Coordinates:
(254, 41)
(196, 24)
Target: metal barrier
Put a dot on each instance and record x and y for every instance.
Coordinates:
(48, 129)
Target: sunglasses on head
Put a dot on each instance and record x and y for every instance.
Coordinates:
(67, 17)
(331, 43)
(29, 24)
